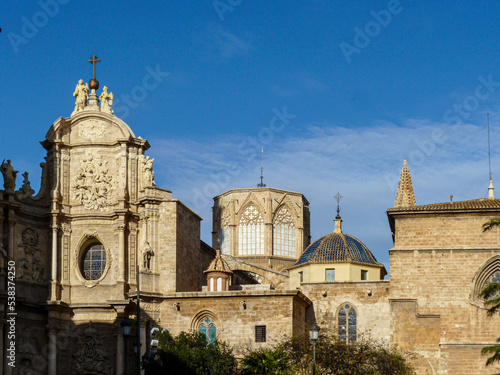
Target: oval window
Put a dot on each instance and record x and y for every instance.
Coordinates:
(93, 262)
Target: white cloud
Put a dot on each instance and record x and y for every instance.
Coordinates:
(225, 44)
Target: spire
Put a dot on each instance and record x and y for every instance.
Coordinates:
(491, 194)
(262, 184)
(405, 196)
(338, 219)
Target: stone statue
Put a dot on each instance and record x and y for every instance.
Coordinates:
(106, 100)
(26, 190)
(147, 254)
(9, 176)
(81, 94)
(147, 168)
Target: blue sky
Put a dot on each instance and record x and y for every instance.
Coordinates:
(338, 94)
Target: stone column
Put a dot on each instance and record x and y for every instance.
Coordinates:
(121, 252)
(233, 233)
(52, 366)
(120, 353)
(53, 281)
(12, 235)
(268, 239)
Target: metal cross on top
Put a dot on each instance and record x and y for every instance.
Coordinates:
(338, 197)
(94, 60)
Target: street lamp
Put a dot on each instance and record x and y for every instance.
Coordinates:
(314, 331)
(126, 325)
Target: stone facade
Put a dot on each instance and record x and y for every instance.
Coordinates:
(99, 221)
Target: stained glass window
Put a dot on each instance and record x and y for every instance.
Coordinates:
(347, 320)
(94, 262)
(208, 328)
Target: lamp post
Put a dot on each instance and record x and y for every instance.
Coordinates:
(314, 331)
(126, 325)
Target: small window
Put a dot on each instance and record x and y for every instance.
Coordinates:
(301, 275)
(347, 324)
(260, 333)
(330, 274)
(208, 328)
(364, 275)
(93, 262)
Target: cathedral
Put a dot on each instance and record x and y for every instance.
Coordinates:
(75, 256)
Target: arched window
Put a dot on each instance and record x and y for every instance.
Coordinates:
(347, 320)
(489, 272)
(251, 232)
(93, 262)
(207, 327)
(284, 234)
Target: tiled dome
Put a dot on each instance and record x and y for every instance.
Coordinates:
(337, 247)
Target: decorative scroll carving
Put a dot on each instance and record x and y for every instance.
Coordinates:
(93, 185)
(92, 129)
(90, 357)
(31, 362)
(30, 267)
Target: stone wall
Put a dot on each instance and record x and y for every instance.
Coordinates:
(369, 298)
(236, 313)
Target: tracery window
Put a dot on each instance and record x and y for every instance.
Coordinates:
(347, 321)
(208, 328)
(93, 262)
(284, 233)
(251, 232)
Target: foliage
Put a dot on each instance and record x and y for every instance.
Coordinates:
(491, 224)
(333, 357)
(189, 354)
(266, 361)
(491, 293)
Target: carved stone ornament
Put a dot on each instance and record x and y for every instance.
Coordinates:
(90, 358)
(92, 129)
(30, 360)
(93, 184)
(77, 253)
(30, 267)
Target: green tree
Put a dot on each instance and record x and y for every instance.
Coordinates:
(266, 361)
(190, 354)
(333, 357)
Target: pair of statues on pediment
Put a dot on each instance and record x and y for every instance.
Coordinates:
(81, 95)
